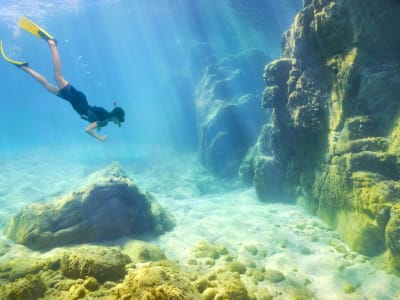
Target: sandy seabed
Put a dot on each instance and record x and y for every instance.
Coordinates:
(292, 241)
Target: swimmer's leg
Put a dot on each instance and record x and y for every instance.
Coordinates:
(58, 77)
(41, 79)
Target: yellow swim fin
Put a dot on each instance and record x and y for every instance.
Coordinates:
(11, 61)
(36, 30)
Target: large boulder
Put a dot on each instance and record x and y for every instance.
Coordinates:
(108, 205)
(228, 111)
(334, 140)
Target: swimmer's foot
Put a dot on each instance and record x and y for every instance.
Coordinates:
(47, 37)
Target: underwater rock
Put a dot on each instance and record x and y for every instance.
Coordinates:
(222, 285)
(228, 111)
(140, 251)
(236, 267)
(274, 276)
(160, 281)
(393, 235)
(102, 263)
(4, 247)
(91, 283)
(334, 137)
(29, 287)
(109, 205)
(20, 267)
(206, 249)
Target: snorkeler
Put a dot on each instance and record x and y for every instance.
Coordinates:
(97, 116)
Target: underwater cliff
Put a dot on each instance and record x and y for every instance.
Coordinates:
(334, 138)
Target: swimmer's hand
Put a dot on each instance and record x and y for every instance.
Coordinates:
(90, 131)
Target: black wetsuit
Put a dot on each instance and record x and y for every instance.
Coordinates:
(81, 106)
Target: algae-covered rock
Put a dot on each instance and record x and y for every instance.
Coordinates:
(276, 76)
(102, 263)
(236, 267)
(140, 251)
(76, 292)
(223, 285)
(108, 206)
(4, 247)
(29, 287)
(333, 142)
(91, 283)
(274, 276)
(393, 236)
(204, 249)
(361, 233)
(210, 293)
(157, 281)
(231, 287)
(20, 267)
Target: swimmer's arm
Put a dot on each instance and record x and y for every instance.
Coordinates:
(90, 131)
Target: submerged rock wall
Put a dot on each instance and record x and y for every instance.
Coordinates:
(334, 139)
(228, 111)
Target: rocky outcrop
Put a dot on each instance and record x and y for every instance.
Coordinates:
(228, 112)
(109, 205)
(333, 143)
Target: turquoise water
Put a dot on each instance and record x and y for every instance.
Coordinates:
(150, 56)
(137, 53)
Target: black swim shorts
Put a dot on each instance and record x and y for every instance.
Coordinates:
(76, 98)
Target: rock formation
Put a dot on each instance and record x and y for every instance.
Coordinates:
(228, 112)
(108, 206)
(334, 139)
(99, 272)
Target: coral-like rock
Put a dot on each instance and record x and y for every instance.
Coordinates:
(108, 206)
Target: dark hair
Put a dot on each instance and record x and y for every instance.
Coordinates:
(119, 113)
